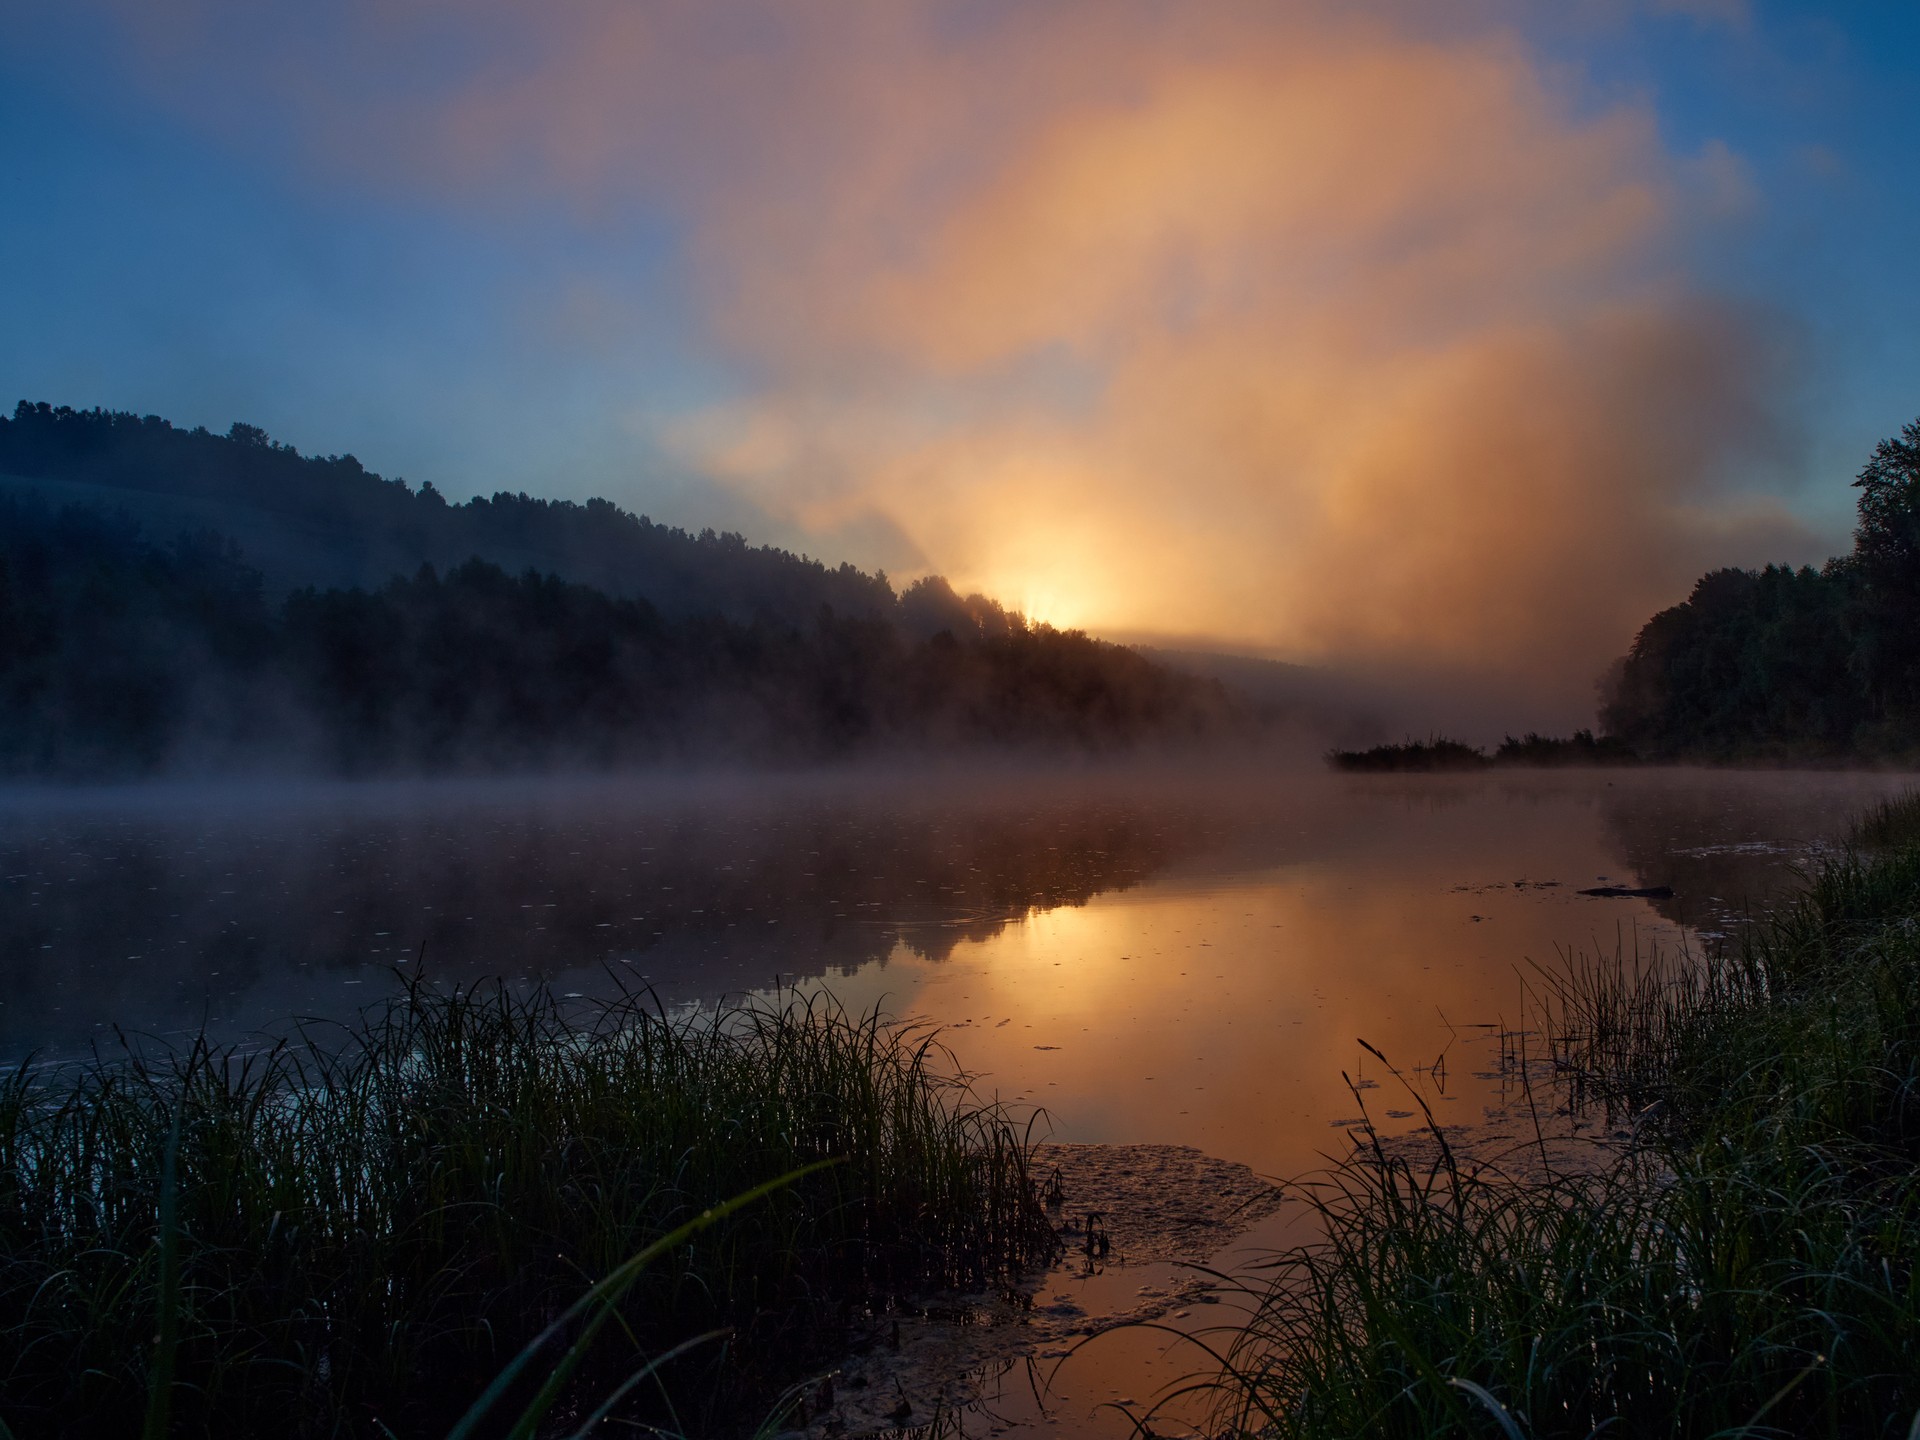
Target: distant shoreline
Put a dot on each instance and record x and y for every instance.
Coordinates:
(1441, 755)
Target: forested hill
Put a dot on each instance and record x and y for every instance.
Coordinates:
(1791, 664)
(328, 521)
(130, 650)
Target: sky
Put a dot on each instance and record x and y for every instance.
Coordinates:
(1449, 340)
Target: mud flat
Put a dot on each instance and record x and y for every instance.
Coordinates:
(1118, 1209)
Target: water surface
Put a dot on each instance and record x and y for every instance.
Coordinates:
(1151, 957)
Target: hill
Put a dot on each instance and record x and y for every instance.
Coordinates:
(310, 520)
(125, 655)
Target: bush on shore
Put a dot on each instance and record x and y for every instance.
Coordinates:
(1437, 752)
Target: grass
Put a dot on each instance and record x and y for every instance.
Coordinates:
(1747, 1269)
(357, 1233)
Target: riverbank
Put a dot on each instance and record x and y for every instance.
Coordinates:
(1745, 1267)
(1137, 1222)
(353, 1234)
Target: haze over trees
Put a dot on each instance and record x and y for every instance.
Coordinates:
(123, 655)
(1785, 663)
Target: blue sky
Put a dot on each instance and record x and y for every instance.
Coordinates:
(164, 270)
(1822, 104)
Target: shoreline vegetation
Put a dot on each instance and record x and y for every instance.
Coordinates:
(354, 1233)
(1743, 1264)
(1440, 753)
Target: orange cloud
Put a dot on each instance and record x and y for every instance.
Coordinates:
(1339, 343)
(1338, 330)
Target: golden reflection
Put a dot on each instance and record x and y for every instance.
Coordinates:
(1223, 1008)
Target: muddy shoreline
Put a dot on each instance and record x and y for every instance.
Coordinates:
(1117, 1208)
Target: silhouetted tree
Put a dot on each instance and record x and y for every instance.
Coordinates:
(1782, 662)
(1885, 569)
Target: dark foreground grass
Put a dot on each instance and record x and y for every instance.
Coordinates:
(1748, 1270)
(367, 1226)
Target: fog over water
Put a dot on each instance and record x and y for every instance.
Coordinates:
(1149, 956)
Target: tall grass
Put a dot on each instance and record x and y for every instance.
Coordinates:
(362, 1228)
(1747, 1268)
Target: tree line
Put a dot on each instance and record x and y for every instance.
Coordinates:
(1788, 663)
(123, 657)
(329, 521)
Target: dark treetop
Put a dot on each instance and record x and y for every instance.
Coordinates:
(1785, 663)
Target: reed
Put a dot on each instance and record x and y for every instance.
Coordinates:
(1747, 1267)
(356, 1231)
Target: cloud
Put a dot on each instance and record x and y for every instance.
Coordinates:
(1340, 343)
(1342, 331)
(1735, 14)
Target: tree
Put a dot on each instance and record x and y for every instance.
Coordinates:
(1886, 566)
(1887, 540)
(1787, 662)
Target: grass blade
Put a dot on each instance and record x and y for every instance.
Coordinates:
(599, 1302)
(166, 1338)
(1508, 1424)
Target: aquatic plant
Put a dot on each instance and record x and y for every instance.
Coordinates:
(354, 1232)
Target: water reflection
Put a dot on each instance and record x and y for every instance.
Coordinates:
(1169, 958)
(1730, 849)
(165, 910)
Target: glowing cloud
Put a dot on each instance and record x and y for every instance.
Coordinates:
(1333, 341)
(1341, 331)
